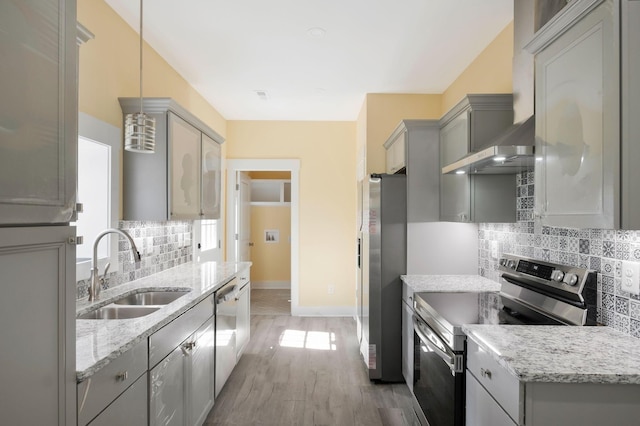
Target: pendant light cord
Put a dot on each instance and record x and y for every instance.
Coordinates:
(141, 46)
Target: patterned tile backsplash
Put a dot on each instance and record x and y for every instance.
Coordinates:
(602, 250)
(169, 243)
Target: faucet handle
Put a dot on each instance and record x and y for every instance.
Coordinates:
(106, 269)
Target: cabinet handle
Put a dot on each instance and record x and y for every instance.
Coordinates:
(485, 373)
(122, 376)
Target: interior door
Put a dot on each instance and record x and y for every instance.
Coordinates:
(243, 217)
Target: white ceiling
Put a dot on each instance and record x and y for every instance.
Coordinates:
(230, 49)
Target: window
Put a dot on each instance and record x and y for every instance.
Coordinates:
(98, 191)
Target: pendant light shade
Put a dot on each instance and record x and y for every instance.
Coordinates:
(140, 128)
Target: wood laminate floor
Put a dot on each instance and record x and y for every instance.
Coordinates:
(270, 302)
(307, 371)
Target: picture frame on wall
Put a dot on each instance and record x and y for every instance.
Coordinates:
(271, 236)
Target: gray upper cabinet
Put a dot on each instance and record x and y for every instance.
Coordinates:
(587, 109)
(470, 126)
(414, 147)
(182, 179)
(38, 115)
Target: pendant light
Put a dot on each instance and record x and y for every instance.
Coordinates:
(140, 128)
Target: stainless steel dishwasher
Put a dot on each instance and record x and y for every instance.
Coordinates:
(226, 313)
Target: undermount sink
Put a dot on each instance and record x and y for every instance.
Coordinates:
(158, 297)
(119, 312)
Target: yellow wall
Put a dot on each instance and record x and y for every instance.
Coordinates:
(271, 261)
(490, 72)
(327, 197)
(384, 112)
(109, 68)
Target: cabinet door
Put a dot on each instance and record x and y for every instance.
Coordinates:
(244, 319)
(407, 344)
(455, 189)
(38, 112)
(37, 307)
(211, 178)
(129, 409)
(395, 155)
(167, 390)
(482, 409)
(184, 176)
(201, 374)
(578, 125)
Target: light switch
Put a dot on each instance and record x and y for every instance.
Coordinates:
(631, 277)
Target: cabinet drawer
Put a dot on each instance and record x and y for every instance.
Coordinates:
(96, 392)
(502, 385)
(129, 409)
(482, 410)
(244, 277)
(163, 341)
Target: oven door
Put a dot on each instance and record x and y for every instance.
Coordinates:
(438, 381)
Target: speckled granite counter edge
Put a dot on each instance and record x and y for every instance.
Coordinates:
(533, 376)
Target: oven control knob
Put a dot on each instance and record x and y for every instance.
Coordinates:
(511, 264)
(570, 279)
(557, 275)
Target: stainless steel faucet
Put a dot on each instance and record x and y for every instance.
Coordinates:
(96, 281)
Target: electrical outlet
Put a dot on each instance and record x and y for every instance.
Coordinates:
(494, 250)
(330, 289)
(631, 277)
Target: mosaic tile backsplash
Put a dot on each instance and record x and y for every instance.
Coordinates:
(601, 250)
(169, 243)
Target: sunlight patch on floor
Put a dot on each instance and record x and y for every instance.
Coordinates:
(320, 340)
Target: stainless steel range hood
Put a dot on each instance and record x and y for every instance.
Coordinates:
(512, 152)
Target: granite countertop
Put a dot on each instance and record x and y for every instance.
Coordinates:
(450, 283)
(562, 354)
(98, 342)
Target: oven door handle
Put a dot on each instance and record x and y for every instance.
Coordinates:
(453, 361)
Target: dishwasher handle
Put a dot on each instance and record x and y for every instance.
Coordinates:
(226, 294)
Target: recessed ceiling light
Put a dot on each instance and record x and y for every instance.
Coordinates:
(460, 172)
(262, 94)
(316, 32)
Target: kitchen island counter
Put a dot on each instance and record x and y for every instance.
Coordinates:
(561, 354)
(99, 341)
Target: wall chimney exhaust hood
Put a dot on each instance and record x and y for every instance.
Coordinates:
(512, 152)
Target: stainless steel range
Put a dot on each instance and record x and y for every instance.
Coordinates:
(532, 292)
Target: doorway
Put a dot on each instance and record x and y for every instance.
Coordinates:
(238, 242)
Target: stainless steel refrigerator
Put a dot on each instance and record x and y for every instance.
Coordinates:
(382, 258)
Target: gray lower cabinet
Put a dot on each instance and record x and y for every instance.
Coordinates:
(182, 179)
(98, 393)
(181, 379)
(129, 409)
(181, 386)
(201, 373)
(407, 336)
(470, 126)
(495, 397)
(481, 408)
(243, 324)
(37, 279)
(587, 103)
(38, 112)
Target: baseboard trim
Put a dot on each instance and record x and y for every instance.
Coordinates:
(271, 285)
(323, 311)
